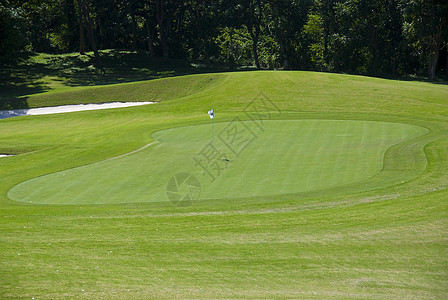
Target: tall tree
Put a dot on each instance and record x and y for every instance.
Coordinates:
(147, 13)
(252, 18)
(427, 22)
(319, 33)
(165, 14)
(393, 38)
(199, 28)
(84, 10)
(286, 22)
(82, 40)
(12, 30)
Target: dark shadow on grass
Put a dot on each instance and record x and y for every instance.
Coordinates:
(30, 73)
(120, 66)
(18, 79)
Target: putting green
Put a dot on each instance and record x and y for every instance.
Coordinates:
(253, 159)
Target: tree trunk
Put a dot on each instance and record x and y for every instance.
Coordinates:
(446, 60)
(82, 42)
(257, 61)
(254, 36)
(163, 28)
(255, 49)
(433, 59)
(207, 59)
(150, 39)
(134, 32)
(325, 54)
(165, 48)
(85, 12)
(284, 55)
(436, 42)
(254, 28)
(231, 52)
(373, 50)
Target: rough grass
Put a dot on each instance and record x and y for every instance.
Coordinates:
(367, 242)
(155, 90)
(40, 73)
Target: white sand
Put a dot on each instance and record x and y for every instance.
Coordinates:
(66, 108)
(5, 155)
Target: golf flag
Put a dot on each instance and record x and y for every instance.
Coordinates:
(211, 114)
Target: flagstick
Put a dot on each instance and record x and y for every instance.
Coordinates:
(213, 136)
(211, 114)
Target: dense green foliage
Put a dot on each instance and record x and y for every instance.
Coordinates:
(374, 240)
(375, 37)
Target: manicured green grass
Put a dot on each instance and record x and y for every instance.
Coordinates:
(381, 234)
(286, 157)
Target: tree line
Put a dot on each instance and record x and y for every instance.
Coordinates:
(374, 37)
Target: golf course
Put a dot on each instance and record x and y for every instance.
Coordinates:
(304, 185)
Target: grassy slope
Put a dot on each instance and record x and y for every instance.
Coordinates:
(37, 73)
(155, 90)
(388, 243)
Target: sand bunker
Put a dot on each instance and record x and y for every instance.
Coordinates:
(66, 108)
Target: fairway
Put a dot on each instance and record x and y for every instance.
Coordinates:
(323, 186)
(283, 157)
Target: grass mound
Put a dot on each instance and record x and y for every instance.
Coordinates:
(40, 73)
(153, 91)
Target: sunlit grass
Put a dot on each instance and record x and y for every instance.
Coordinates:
(361, 240)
